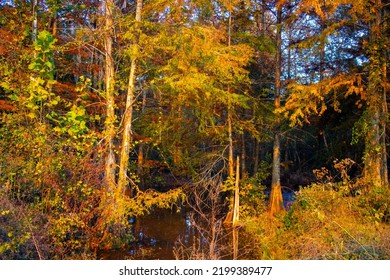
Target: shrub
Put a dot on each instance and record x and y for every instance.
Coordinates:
(325, 223)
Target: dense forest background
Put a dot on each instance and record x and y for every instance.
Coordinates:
(112, 109)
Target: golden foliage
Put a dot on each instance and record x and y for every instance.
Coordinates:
(116, 208)
(324, 224)
(326, 8)
(313, 99)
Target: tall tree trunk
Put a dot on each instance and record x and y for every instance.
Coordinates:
(385, 55)
(290, 34)
(276, 199)
(256, 157)
(372, 164)
(54, 26)
(128, 118)
(236, 205)
(230, 157)
(230, 129)
(243, 155)
(35, 20)
(375, 169)
(384, 172)
(263, 9)
(110, 164)
(76, 57)
(140, 158)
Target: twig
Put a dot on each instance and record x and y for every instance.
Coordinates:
(354, 239)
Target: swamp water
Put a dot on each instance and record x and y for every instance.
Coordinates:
(159, 234)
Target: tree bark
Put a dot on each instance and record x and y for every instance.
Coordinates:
(35, 20)
(276, 199)
(110, 164)
(375, 168)
(230, 157)
(236, 205)
(243, 155)
(385, 111)
(230, 129)
(140, 159)
(256, 157)
(128, 118)
(263, 9)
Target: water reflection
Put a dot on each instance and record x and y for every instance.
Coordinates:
(155, 236)
(158, 234)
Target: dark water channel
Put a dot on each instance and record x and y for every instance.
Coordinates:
(157, 235)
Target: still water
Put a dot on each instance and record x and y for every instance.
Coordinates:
(155, 236)
(158, 235)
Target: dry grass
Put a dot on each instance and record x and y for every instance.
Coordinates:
(324, 223)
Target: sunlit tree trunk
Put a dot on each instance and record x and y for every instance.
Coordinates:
(262, 31)
(54, 25)
(243, 156)
(372, 165)
(53, 20)
(230, 156)
(236, 205)
(375, 169)
(230, 129)
(128, 117)
(231, 217)
(276, 199)
(385, 28)
(110, 164)
(384, 172)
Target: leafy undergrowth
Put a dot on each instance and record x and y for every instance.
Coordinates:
(325, 222)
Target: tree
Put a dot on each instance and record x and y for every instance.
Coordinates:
(308, 98)
(109, 96)
(375, 168)
(128, 115)
(276, 199)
